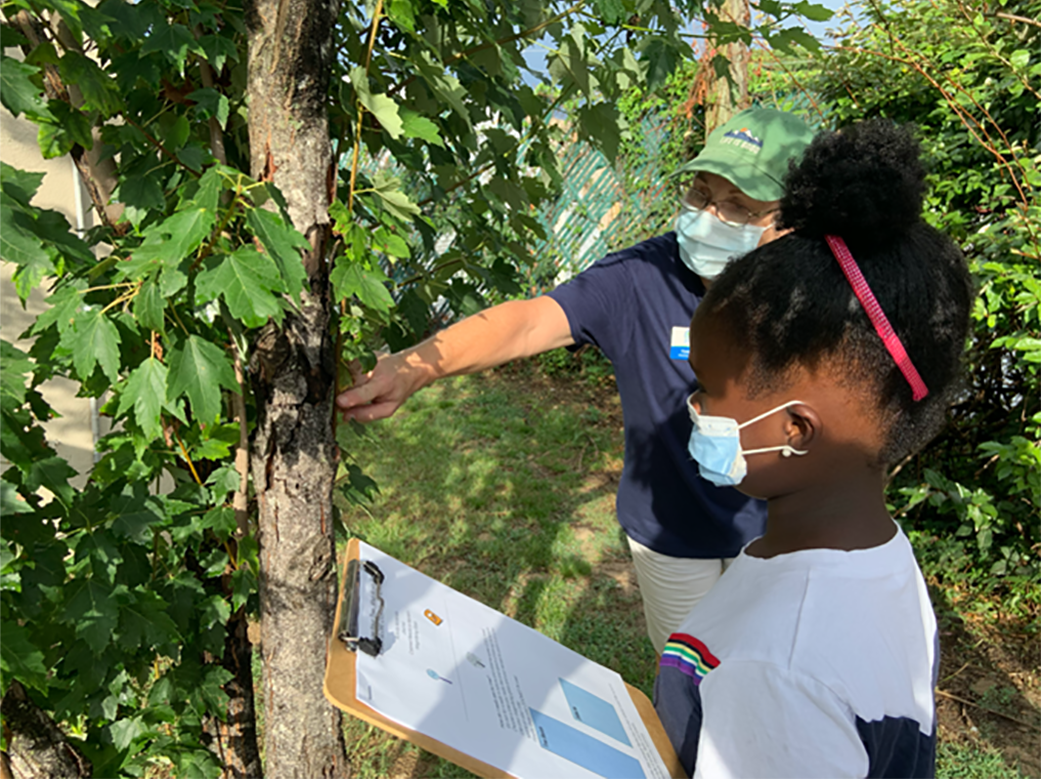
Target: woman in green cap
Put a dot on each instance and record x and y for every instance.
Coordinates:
(636, 306)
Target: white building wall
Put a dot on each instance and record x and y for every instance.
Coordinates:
(71, 433)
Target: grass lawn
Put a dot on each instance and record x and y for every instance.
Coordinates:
(502, 486)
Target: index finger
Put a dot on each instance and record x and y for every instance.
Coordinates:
(358, 395)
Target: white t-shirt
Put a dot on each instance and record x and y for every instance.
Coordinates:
(818, 663)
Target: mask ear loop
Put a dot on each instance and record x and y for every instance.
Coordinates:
(765, 414)
(784, 449)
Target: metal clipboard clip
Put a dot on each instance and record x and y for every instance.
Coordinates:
(348, 631)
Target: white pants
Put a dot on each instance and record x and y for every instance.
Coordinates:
(670, 587)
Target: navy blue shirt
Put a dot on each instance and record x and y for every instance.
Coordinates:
(627, 304)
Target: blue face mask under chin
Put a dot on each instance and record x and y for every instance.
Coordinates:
(715, 444)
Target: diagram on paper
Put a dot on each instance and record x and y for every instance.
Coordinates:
(578, 747)
(498, 691)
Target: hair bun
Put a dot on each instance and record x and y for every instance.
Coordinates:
(864, 183)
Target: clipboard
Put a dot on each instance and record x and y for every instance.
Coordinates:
(340, 684)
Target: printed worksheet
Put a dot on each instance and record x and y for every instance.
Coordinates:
(472, 678)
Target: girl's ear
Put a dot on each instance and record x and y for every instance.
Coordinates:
(802, 426)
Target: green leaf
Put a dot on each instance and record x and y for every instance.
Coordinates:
(284, 243)
(144, 192)
(218, 50)
(20, 244)
(21, 185)
(144, 622)
(52, 473)
(246, 280)
(223, 480)
(661, 57)
(401, 14)
(243, 584)
(217, 443)
(600, 121)
(98, 89)
(388, 189)
(813, 11)
(571, 64)
(194, 157)
(611, 11)
(1020, 58)
(349, 278)
(22, 442)
(93, 610)
(786, 39)
(10, 37)
(126, 731)
(69, 127)
(382, 107)
(62, 308)
(221, 520)
(446, 87)
(11, 502)
(211, 184)
(390, 243)
(134, 515)
(173, 41)
(187, 230)
(175, 130)
(12, 378)
(95, 340)
(198, 370)
(20, 659)
(210, 102)
(214, 610)
(144, 391)
(415, 125)
(17, 91)
(149, 304)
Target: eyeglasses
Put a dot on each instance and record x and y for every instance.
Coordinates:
(694, 197)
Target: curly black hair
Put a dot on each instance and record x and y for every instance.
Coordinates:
(789, 304)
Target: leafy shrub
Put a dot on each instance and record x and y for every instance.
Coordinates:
(968, 75)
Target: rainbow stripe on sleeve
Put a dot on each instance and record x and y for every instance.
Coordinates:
(688, 655)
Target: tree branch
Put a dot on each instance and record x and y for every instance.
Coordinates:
(35, 744)
(97, 176)
(238, 404)
(489, 44)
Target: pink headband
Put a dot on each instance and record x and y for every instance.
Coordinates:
(876, 315)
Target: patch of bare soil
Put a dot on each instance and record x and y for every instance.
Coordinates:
(989, 690)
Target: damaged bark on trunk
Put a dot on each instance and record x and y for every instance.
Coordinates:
(36, 746)
(294, 454)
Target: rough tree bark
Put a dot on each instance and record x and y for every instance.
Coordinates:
(36, 747)
(234, 740)
(728, 96)
(294, 454)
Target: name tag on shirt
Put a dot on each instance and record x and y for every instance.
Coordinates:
(679, 348)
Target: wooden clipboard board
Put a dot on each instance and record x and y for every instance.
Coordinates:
(339, 687)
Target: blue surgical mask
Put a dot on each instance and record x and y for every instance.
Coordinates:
(707, 242)
(715, 444)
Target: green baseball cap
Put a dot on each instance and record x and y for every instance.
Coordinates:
(752, 151)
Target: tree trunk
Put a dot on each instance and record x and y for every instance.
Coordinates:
(294, 454)
(234, 740)
(36, 747)
(729, 94)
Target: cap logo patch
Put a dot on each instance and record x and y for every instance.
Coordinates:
(744, 139)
